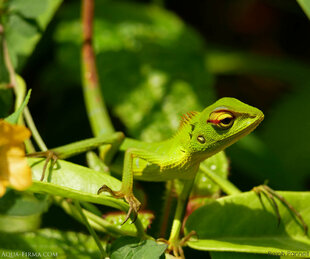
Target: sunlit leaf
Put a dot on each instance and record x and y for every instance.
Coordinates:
(21, 212)
(133, 248)
(244, 223)
(305, 5)
(73, 181)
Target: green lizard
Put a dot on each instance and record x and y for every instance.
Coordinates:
(200, 135)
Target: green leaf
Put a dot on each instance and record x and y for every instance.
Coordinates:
(29, 8)
(25, 22)
(133, 248)
(17, 204)
(14, 117)
(244, 223)
(14, 224)
(118, 218)
(21, 212)
(48, 243)
(305, 5)
(74, 181)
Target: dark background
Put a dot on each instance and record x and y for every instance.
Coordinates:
(265, 32)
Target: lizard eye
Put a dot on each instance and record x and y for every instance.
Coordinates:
(223, 119)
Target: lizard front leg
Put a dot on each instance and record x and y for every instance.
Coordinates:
(112, 140)
(126, 190)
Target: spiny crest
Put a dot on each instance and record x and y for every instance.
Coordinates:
(186, 118)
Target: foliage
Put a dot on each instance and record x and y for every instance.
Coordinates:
(134, 248)
(152, 68)
(219, 228)
(49, 243)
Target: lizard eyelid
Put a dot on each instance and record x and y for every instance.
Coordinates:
(222, 119)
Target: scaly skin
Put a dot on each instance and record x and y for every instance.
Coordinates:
(200, 135)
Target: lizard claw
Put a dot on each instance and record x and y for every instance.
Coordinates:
(50, 156)
(135, 206)
(133, 202)
(271, 194)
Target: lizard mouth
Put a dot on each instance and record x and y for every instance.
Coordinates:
(247, 129)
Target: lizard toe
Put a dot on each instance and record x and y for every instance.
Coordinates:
(135, 206)
(115, 194)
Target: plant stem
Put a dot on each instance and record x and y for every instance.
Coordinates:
(95, 163)
(179, 213)
(95, 105)
(95, 221)
(168, 201)
(223, 62)
(90, 229)
(224, 184)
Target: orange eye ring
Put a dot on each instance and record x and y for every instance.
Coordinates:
(223, 119)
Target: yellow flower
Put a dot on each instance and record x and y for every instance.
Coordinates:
(14, 170)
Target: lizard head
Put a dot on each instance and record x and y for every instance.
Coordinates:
(222, 124)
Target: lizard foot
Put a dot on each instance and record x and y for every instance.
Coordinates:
(134, 203)
(271, 194)
(135, 206)
(175, 246)
(50, 155)
(115, 194)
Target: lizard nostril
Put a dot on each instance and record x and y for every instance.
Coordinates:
(201, 139)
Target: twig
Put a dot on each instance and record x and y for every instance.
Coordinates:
(90, 229)
(224, 184)
(35, 133)
(8, 63)
(96, 109)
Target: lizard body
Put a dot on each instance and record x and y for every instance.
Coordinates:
(200, 135)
